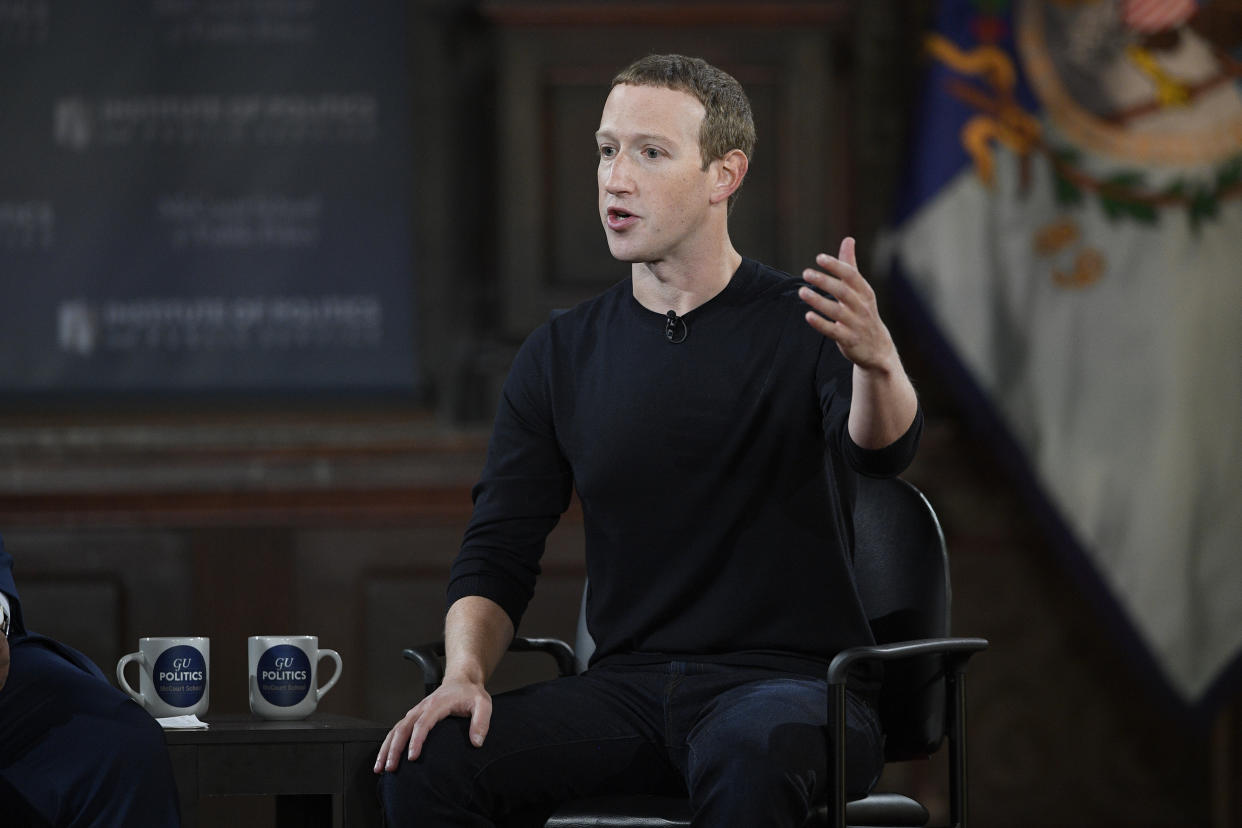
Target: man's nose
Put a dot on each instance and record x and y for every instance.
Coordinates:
(617, 179)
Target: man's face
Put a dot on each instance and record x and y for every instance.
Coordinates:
(654, 195)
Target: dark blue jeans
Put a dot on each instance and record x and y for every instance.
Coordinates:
(750, 747)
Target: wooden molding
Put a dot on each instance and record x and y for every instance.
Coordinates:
(518, 14)
(323, 507)
(262, 471)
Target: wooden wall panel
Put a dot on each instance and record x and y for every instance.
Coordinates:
(87, 612)
(403, 610)
(370, 593)
(243, 586)
(399, 610)
(101, 591)
(342, 573)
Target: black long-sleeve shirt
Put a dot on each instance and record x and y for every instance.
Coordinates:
(716, 477)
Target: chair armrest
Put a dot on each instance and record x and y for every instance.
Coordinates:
(957, 651)
(430, 657)
(962, 648)
(561, 652)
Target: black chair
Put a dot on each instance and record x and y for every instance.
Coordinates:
(902, 571)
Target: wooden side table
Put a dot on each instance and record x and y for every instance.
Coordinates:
(319, 769)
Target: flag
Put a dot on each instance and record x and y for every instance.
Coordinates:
(1072, 231)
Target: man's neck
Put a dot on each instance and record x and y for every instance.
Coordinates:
(682, 287)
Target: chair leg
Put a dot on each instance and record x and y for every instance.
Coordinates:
(957, 747)
(836, 757)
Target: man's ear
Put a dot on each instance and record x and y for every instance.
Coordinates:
(729, 172)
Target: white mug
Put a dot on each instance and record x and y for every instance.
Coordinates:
(172, 675)
(283, 671)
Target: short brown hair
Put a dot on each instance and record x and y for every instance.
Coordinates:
(727, 121)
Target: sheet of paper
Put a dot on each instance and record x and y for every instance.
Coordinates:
(182, 723)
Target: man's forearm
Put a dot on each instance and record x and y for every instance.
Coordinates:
(884, 405)
(477, 633)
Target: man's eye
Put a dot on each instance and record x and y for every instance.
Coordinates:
(651, 153)
(607, 152)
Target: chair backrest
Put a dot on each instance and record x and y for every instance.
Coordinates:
(901, 569)
(584, 644)
(902, 572)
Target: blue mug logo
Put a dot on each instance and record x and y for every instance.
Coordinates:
(180, 676)
(283, 675)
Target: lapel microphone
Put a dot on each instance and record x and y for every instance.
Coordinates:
(675, 329)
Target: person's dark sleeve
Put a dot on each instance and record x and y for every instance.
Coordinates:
(9, 587)
(891, 460)
(524, 489)
(835, 380)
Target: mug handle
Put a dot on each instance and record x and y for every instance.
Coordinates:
(320, 692)
(120, 674)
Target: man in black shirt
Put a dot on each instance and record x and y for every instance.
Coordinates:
(711, 414)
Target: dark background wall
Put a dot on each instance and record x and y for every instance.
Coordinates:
(339, 518)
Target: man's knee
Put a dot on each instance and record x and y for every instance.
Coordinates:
(442, 778)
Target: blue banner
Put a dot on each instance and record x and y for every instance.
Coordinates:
(205, 196)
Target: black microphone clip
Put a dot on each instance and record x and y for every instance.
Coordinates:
(675, 329)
